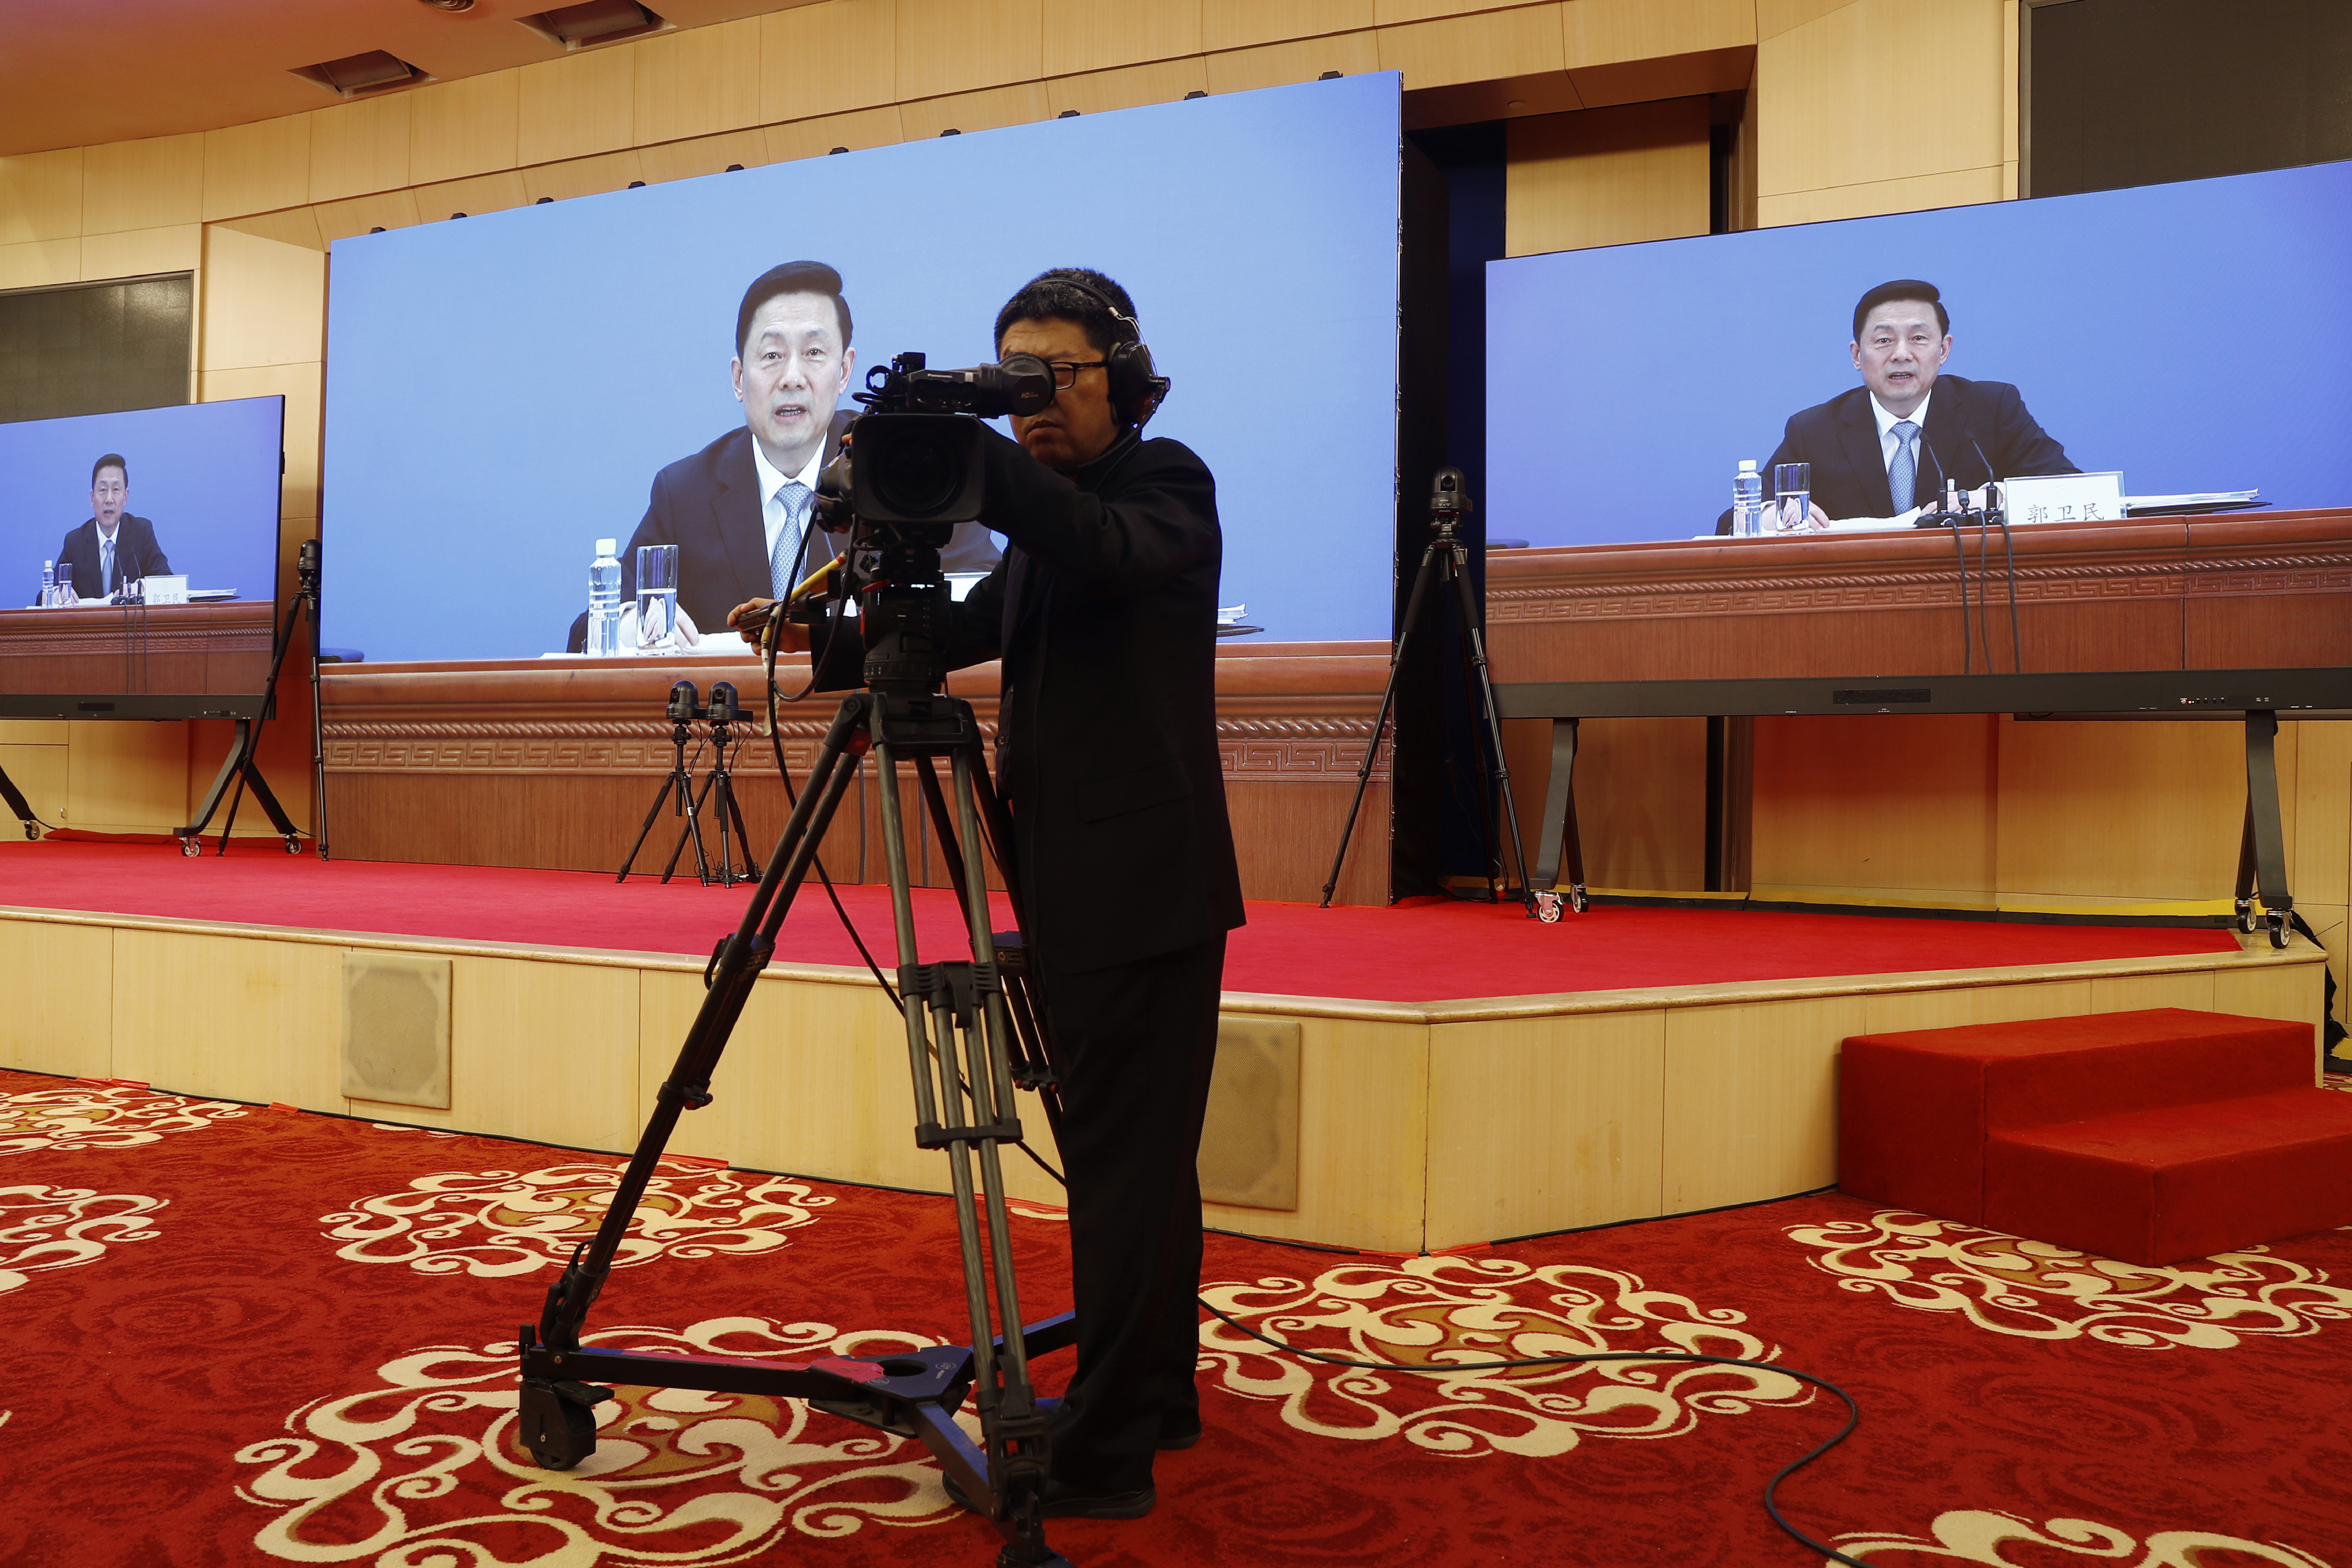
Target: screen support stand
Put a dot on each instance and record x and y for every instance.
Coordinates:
(17, 805)
(242, 767)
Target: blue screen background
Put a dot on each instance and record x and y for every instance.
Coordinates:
(2192, 336)
(500, 391)
(205, 474)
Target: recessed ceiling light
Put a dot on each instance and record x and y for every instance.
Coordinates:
(357, 76)
(595, 22)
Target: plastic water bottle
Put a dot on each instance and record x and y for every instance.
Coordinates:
(604, 601)
(1748, 500)
(49, 584)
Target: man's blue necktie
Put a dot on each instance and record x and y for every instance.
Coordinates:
(1902, 474)
(795, 496)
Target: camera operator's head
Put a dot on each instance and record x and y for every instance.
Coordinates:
(792, 359)
(1062, 317)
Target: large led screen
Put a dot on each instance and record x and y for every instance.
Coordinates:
(2189, 336)
(502, 389)
(119, 504)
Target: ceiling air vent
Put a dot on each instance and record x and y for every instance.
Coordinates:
(360, 76)
(595, 22)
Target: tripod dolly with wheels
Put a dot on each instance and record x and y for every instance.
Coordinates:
(972, 1035)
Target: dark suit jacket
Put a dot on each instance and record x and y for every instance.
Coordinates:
(136, 554)
(709, 505)
(1104, 612)
(1840, 438)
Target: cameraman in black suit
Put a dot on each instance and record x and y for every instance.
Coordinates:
(739, 510)
(112, 547)
(1103, 614)
(1885, 448)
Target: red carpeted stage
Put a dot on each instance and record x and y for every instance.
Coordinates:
(1433, 1075)
(1426, 949)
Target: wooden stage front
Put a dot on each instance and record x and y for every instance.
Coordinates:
(552, 763)
(1404, 1126)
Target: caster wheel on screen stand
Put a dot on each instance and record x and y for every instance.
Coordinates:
(1548, 908)
(33, 831)
(293, 845)
(191, 848)
(1579, 900)
(2278, 926)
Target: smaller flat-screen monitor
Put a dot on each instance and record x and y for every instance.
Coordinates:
(163, 523)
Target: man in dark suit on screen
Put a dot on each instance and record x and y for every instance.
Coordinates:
(739, 510)
(1104, 615)
(113, 547)
(1884, 449)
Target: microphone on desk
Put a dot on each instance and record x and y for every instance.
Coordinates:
(1941, 514)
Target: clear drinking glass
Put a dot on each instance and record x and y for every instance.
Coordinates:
(65, 594)
(656, 598)
(1792, 489)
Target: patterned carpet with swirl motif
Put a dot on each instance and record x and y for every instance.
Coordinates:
(237, 1335)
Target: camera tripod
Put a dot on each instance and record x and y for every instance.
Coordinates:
(972, 1033)
(1447, 560)
(241, 766)
(717, 791)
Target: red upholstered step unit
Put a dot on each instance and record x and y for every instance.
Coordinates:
(2186, 1181)
(1915, 1108)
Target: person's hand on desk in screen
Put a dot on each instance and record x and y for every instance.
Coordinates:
(1816, 520)
(791, 638)
(688, 634)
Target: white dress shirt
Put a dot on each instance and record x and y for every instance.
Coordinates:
(1887, 423)
(772, 503)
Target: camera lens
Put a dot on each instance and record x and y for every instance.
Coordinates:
(923, 476)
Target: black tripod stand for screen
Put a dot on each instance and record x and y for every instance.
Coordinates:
(971, 1033)
(242, 768)
(1447, 560)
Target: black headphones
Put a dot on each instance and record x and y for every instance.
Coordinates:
(1137, 388)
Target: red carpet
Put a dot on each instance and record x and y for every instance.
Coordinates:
(247, 1337)
(1424, 951)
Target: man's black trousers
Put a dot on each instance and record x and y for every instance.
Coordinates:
(1134, 1044)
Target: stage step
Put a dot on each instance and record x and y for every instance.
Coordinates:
(2148, 1136)
(2188, 1181)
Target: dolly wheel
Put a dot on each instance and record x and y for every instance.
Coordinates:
(190, 847)
(2278, 928)
(33, 831)
(293, 845)
(559, 1425)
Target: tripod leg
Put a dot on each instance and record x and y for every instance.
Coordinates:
(318, 737)
(732, 811)
(693, 829)
(658, 800)
(1486, 683)
(1387, 699)
(733, 972)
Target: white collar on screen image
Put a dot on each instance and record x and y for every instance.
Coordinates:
(1887, 423)
(771, 478)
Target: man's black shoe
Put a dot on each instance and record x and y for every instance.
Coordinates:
(1067, 1502)
(1172, 1440)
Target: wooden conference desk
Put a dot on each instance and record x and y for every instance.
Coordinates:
(1873, 623)
(552, 763)
(83, 656)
